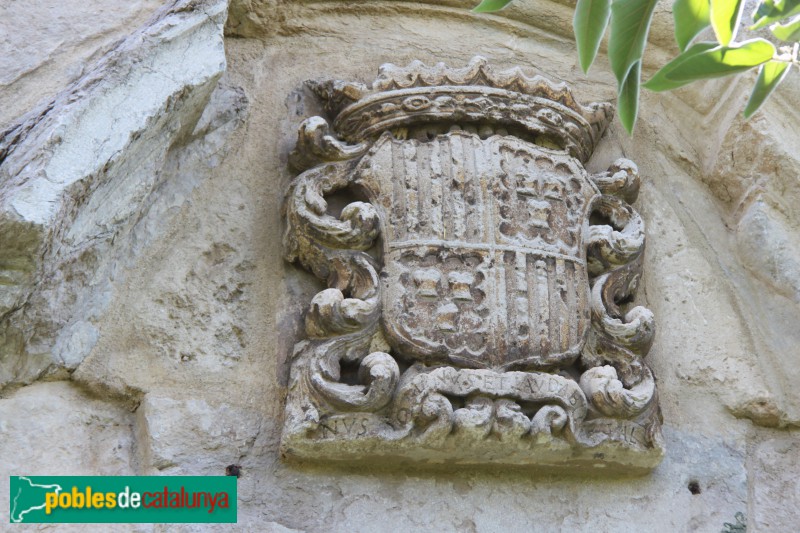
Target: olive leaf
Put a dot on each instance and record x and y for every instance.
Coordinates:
(725, 18)
(770, 75)
(628, 97)
(707, 60)
(768, 12)
(490, 6)
(630, 23)
(660, 80)
(590, 23)
(691, 17)
(787, 32)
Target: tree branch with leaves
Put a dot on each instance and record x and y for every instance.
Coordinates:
(629, 22)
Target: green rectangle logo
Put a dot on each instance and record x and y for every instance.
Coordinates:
(122, 499)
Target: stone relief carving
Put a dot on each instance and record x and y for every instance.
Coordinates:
(477, 307)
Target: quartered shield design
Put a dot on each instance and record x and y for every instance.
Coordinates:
(483, 249)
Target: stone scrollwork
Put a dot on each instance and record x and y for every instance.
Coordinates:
(478, 284)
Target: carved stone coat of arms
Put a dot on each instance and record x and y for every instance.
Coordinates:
(479, 281)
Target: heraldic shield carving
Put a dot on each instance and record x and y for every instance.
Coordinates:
(477, 307)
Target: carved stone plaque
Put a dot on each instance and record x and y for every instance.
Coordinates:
(479, 280)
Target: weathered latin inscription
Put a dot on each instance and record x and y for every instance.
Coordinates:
(468, 280)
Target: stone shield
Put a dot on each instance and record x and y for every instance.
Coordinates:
(483, 249)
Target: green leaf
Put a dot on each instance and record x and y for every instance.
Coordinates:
(787, 32)
(589, 23)
(725, 18)
(691, 17)
(768, 12)
(490, 6)
(628, 97)
(722, 61)
(660, 82)
(770, 75)
(763, 9)
(630, 23)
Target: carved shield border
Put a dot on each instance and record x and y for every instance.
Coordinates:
(598, 406)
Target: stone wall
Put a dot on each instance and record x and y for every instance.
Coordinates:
(148, 314)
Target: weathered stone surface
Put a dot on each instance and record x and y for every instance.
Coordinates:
(459, 499)
(46, 44)
(78, 175)
(260, 18)
(775, 486)
(191, 437)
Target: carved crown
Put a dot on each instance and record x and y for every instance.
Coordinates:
(418, 99)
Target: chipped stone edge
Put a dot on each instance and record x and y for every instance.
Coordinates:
(135, 102)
